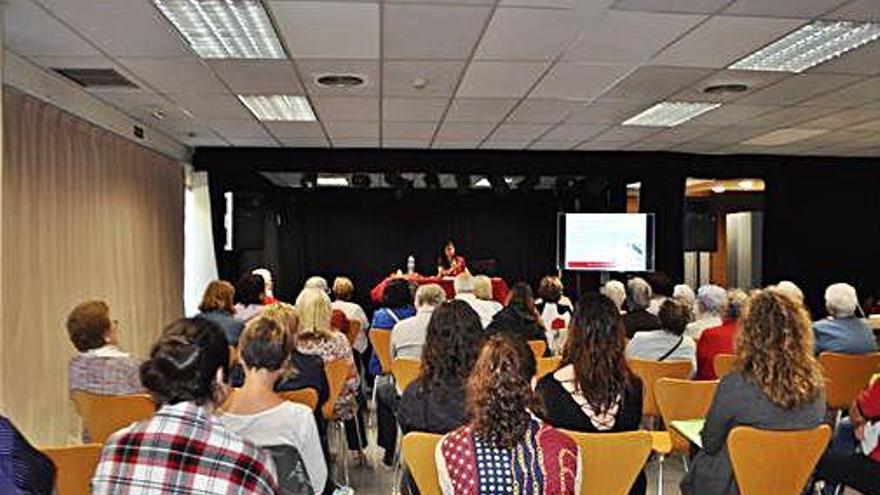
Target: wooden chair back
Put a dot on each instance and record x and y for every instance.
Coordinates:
(337, 372)
(74, 467)
(683, 399)
(723, 364)
(546, 365)
(104, 414)
(418, 453)
(777, 462)
(650, 371)
(846, 375)
(405, 371)
(354, 328)
(305, 396)
(381, 340)
(539, 347)
(610, 462)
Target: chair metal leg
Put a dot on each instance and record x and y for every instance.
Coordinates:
(343, 450)
(684, 461)
(660, 458)
(395, 482)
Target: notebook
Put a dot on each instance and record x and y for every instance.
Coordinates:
(690, 429)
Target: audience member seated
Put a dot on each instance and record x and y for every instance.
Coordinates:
(555, 314)
(685, 295)
(343, 291)
(842, 331)
(487, 455)
(519, 319)
(661, 290)
(99, 367)
(720, 339)
(483, 290)
(249, 295)
(711, 305)
(23, 469)
(464, 291)
(637, 317)
(258, 414)
(594, 391)
(776, 385)
(397, 305)
(843, 464)
(616, 291)
(669, 343)
(317, 282)
(217, 307)
(316, 337)
(789, 289)
(408, 336)
(269, 296)
(184, 448)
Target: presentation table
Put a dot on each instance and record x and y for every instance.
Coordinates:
(499, 286)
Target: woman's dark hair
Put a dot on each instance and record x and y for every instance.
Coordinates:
(250, 289)
(184, 362)
(452, 343)
(595, 347)
(660, 283)
(499, 394)
(674, 316)
(88, 325)
(520, 298)
(550, 289)
(442, 259)
(397, 294)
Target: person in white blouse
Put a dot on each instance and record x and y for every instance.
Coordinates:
(464, 290)
(343, 290)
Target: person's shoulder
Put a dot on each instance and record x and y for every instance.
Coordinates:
(296, 412)
(550, 434)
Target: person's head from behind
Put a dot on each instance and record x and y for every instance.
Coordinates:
(463, 283)
(550, 289)
(711, 300)
(285, 315)
(343, 288)
(452, 343)
(660, 283)
(316, 282)
(520, 298)
(790, 289)
(736, 304)
(638, 294)
(267, 278)
(89, 326)
(430, 296)
(841, 300)
(674, 316)
(188, 363)
(250, 289)
(483, 287)
(314, 310)
(218, 296)
(397, 294)
(775, 349)
(595, 347)
(616, 291)
(265, 346)
(685, 295)
(499, 395)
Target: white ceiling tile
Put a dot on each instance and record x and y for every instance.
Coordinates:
(864, 60)
(130, 29)
(607, 111)
(479, 109)
(238, 129)
(519, 132)
(846, 118)
(284, 130)
(729, 135)
(347, 108)
(573, 132)
(343, 130)
(175, 75)
(695, 147)
(500, 79)
(464, 131)
(29, 30)
(552, 145)
(341, 30)
(601, 145)
(675, 6)
(785, 117)
(652, 83)
(798, 88)
(204, 140)
(249, 77)
(676, 135)
(865, 92)
(368, 70)
(456, 145)
(722, 40)
(527, 34)
(541, 111)
(504, 145)
(859, 10)
(413, 109)
(440, 78)
(609, 37)
(406, 143)
(213, 106)
(806, 9)
(627, 134)
(408, 130)
(140, 105)
(443, 2)
(544, 4)
(299, 142)
(731, 114)
(356, 142)
(580, 80)
(266, 142)
(432, 31)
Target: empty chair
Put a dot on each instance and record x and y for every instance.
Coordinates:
(305, 396)
(381, 340)
(723, 364)
(611, 461)
(418, 454)
(104, 414)
(777, 462)
(650, 372)
(405, 370)
(74, 467)
(337, 374)
(683, 399)
(846, 375)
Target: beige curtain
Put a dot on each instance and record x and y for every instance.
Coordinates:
(86, 214)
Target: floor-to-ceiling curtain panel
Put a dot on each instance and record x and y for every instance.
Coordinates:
(86, 214)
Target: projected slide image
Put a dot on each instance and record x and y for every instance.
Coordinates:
(606, 242)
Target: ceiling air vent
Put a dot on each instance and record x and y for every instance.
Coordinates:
(96, 78)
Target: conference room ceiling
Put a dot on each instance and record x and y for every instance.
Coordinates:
(469, 74)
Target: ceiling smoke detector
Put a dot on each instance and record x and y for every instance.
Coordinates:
(720, 89)
(340, 80)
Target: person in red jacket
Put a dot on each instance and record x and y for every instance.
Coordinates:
(719, 340)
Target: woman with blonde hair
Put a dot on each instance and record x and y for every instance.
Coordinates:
(504, 445)
(776, 385)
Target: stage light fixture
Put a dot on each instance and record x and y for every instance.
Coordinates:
(432, 181)
(309, 180)
(360, 181)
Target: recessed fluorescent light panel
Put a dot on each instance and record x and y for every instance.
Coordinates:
(224, 28)
(335, 181)
(784, 136)
(810, 45)
(670, 114)
(279, 108)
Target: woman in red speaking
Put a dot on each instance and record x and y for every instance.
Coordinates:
(449, 264)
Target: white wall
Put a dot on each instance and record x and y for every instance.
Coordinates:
(200, 266)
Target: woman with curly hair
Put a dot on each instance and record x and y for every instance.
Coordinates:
(776, 385)
(504, 448)
(593, 390)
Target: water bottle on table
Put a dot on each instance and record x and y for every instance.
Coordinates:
(410, 265)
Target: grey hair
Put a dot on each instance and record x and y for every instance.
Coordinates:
(712, 299)
(463, 283)
(317, 282)
(638, 293)
(430, 295)
(614, 290)
(483, 287)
